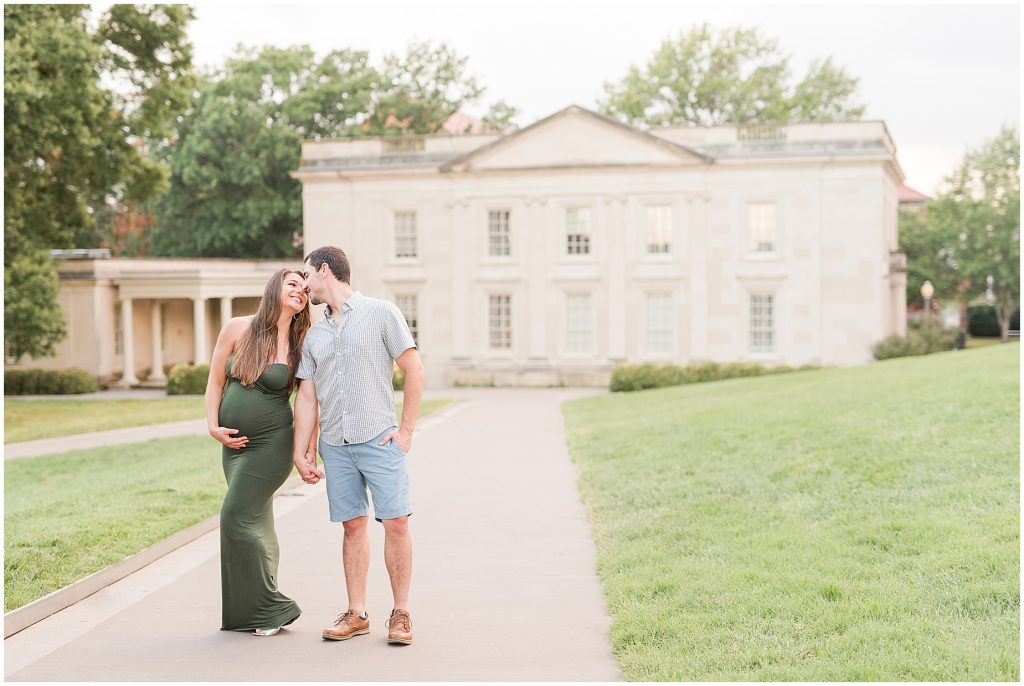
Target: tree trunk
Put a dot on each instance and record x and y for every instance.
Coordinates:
(1003, 310)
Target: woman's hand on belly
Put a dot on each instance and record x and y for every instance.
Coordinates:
(227, 436)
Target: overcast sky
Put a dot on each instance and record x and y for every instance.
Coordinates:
(944, 78)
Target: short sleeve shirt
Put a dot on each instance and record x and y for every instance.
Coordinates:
(350, 363)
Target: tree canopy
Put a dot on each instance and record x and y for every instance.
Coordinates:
(230, 192)
(82, 108)
(967, 240)
(734, 75)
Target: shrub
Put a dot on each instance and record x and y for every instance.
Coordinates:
(632, 377)
(48, 381)
(982, 322)
(187, 379)
(922, 338)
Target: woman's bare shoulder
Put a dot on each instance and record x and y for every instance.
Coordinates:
(236, 326)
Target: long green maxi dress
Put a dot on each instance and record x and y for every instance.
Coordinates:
(249, 552)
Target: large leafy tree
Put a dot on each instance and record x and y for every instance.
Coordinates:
(735, 75)
(968, 238)
(83, 107)
(231, 194)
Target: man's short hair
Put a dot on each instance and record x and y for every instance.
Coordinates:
(335, 260)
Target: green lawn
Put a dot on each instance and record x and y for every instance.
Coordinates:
(69, 515)
(840, 524)
(28, 420)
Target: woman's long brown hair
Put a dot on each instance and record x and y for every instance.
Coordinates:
(258, 347)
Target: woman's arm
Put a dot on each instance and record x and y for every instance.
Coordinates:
(226, 342)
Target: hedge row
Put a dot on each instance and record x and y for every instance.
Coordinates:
(921, 339)
(187, 379)
(982, 321)
(48, 381)
(631, 377)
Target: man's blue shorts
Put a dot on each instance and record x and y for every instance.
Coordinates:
(351, 468)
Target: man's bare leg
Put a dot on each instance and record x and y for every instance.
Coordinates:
(356, 557)
(398, 558)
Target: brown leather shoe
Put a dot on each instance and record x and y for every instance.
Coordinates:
(347, 625)
(399, 627)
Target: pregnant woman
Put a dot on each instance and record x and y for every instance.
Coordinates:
(257, 357)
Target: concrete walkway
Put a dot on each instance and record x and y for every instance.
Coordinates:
(504, 584)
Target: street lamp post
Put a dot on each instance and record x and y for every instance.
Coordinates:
(927, 291)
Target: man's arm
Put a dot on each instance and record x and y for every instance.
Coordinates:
(412, 366)
(305, 420)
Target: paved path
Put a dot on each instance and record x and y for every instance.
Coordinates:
(96, 439)
(504, 586)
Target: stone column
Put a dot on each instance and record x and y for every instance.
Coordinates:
(157, 371)
(199, 331)
(225, 310)
(128, 377)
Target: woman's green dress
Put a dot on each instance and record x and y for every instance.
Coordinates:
(249, 551)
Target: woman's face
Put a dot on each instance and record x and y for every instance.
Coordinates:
(293, 292)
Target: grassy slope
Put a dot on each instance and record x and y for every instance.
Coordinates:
(842, 524)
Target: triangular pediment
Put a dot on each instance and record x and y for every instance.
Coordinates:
(576, 137)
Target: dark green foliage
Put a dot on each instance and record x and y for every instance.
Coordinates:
(33, 321)
(48, 381)
(971, 232)
(921, 339)
(230, 191)
(187, 379)
(630, 377)
(72, 142)
(398, 379)
(982, 322)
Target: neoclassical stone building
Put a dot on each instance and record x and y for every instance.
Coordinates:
(549, 254)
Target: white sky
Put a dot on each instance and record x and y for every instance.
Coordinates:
(944, 78)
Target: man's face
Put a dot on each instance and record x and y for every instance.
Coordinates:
(315, 283)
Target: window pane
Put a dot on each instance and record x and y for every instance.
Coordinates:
(660, 324)
(498, 238)
(658, 230)
(579, 334)
(762, 217)
(408, 305)
(405, 234)
(577, 231)
(500, 322)
(762, 324)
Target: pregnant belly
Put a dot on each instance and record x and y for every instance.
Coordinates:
(253, 412)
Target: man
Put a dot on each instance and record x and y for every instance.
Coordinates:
(347, 363)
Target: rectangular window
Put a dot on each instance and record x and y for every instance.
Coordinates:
(499, 242)
(658, 230)
(762, 323)
(578, 323)
(408, 304)
(405, 234)
(660, 324)
(577, 231)
(500, 322)
(761, 221)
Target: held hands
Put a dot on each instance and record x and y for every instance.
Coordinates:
(403, 440)
(227, 437)
(306, 464)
